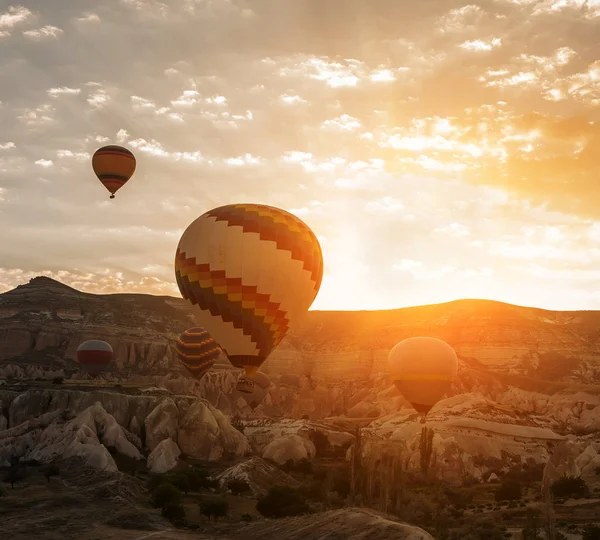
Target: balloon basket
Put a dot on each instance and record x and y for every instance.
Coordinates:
(245, 385)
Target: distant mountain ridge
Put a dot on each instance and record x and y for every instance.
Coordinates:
(44, 321)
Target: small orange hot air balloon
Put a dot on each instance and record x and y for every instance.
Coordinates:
(113, 165)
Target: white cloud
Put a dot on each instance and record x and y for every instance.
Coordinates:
(45, 32)
(63, 90)
(14, 16)
(44, 162)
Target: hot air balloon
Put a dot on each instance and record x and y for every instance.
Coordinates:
(423, 369)
(251, 269)
(197, 351)
(253, 393)
(113, 165)
(94, 356)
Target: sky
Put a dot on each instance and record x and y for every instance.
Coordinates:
(439, 149)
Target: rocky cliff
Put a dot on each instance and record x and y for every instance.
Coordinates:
(42, 323)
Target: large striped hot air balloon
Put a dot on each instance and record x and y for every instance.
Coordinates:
(114, 166)
(423, 369)
(94, 356)
(197, 351)
(254, 393)
(251, 269)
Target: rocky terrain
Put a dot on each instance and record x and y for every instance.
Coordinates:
(527, 396)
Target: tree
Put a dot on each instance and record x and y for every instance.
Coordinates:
(182, 481)
(569, 486)
(51, 470)
(509, 490)
(166, 494)
(16, 473)
(214, 507)
(321, 442)
(533, 525)
(174, 512)
(425, 449)
(282, 501)
(591, 532)
(238, 486)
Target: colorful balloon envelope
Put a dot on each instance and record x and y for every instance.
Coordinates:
(423, 369)
(114, 166)
(197, 351)
(253, 393)
(94, 356)
(252, 269)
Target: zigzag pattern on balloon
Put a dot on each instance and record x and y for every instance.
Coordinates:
(197, 351)
(287, 231)
(228, 298)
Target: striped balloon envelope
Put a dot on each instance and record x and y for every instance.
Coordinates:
(94, 356)
(423, 369)
(114, 166)
(252, 270)
(197, 351)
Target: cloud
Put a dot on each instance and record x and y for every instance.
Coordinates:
(45, 32)
(438, 149)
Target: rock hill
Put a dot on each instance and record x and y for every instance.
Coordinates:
(42, 323)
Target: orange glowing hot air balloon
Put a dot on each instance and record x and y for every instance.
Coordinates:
(114, 166)
(252, 269)
(423, 369)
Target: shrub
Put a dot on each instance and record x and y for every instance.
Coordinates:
(166, 494)
(238, 486)
(52, 470)
(174, 512)
(321, 442)
(569, 486)
(246, 517)
(591, 532)
(58, 380)
(16, 473)
(509, 490)
(282, 501)
(214, 507)
(181, 481)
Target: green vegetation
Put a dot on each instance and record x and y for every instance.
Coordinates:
(282, 501)
(591, 532)
(51, 470)
(237, 486)
(509, 490)
(214, 507)
(166, 494)
(569, 486)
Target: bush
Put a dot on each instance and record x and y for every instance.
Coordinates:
(181, 481)
(246, 517)
(591, 532)
(214, 507)
(166, 494)
(52, 470)
(3, 492)
(282, 501)
(238, 486)
(321, 442)
(174, 512)
(509, 490)
(58, 380)
(16, 473)
(569, 486)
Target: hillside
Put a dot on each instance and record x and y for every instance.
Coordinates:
(43, 321)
